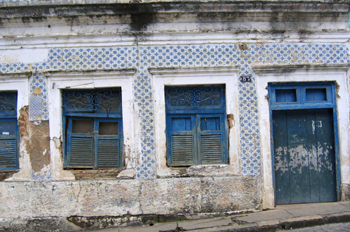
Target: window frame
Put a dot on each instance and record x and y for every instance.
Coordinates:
(95, 117)
(301, 101)
(227, 75)
(196, 114)
(11, 118)
(58, 80)
(18, 82)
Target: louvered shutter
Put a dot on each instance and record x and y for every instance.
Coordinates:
(181, 140)
(8, 130)
(80, 143)
(80, 151)
(8, 153)
(8, 144)
(205, 140)
(94, 132)
(108, 153)
(108, 143)
(212, 139)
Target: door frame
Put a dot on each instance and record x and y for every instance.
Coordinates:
(303, 104)
(265, 74)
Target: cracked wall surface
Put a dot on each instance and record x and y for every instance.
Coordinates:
(121, 197)
(103, 46)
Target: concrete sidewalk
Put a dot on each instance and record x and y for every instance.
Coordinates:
(282, 217)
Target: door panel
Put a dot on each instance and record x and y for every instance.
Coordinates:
(304, 156)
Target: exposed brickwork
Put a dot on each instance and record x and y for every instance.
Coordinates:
(23, 120)
(95, 174)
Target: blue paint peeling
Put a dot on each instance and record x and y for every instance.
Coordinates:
(324, 99)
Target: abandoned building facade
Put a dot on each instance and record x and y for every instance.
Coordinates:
(114, 111)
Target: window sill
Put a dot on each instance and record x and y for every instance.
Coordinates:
(198, 171)
(9, 170)
(110, 174)
(5, 174)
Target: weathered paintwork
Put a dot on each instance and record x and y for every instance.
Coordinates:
(196, 125)
(304, 142)
(304, 156)
(142, 48)
(61, 199)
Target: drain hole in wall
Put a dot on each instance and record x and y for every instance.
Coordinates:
(150, 223)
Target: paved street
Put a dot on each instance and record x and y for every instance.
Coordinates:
(339, 227)
(282, 216)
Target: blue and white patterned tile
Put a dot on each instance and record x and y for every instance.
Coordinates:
(171, 56)
(38, 90)
(13, 67)
(181, 56)
(92, 58)
(35, 110)
(41, 176)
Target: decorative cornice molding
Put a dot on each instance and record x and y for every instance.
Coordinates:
(90, 73)
(167, 38)
(39, 9)
(289, 68)
(171, 71)
(15, 75)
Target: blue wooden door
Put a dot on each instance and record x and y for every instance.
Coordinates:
(304, 156)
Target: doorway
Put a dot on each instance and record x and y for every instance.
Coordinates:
(304, 149)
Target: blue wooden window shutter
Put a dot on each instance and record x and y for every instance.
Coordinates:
(196, 125)
(9, 135)
(94, 129)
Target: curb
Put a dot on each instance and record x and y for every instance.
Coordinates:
(273, 225)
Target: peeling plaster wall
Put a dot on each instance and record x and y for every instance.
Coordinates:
(36, 137)
(120, 197)
(99, 46)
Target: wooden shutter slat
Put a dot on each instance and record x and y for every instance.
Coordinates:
(211, 148)
(204, 140)
(8, 157)
(182, 149)
(81, 150)
(107, 153)
(86, 146)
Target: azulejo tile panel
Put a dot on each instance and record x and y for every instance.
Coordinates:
(199, 55)
(44, 175)
(38, 101)
(91, 58)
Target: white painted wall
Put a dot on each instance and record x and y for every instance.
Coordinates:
(24, 56)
